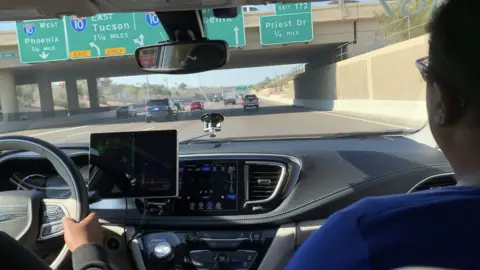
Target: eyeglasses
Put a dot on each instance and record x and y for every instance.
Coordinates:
(422, 65)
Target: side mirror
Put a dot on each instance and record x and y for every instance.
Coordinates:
(183, 57)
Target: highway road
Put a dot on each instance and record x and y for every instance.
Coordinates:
(273, 119)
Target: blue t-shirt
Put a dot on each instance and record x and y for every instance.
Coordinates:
(438, 228)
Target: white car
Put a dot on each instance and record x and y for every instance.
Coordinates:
(250, 102)
(249, 8)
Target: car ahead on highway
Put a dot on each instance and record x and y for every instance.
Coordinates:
(250, 102)
(126, 111)
(179, 104)
(196, 105)
(160, 110)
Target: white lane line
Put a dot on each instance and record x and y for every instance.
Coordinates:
(78, 134)
(58, 130)
(351, 117)
(146, 129)
(365, 120)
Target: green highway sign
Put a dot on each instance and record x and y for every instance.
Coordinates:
(111, 34)
(41, 41)
(232, 30)
(284, 29)
(292, 8)
(6, 55)
(243, 88)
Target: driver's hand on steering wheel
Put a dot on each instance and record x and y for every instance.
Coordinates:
(86, 231)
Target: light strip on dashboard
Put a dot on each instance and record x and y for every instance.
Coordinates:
(245, 181)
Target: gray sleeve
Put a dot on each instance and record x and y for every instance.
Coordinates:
(90, 257)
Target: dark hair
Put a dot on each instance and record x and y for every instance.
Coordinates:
(454, 61)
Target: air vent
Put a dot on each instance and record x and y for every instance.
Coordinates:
(264, 180)
(436, 181)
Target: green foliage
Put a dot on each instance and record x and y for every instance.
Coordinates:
(262, 84)
(182, 86)
(109, 92)
(26, 94)
(398, 28)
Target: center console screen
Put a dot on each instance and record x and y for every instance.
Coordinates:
(141, 164)
(207, 186)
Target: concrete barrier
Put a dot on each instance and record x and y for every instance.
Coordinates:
(55, 121)
(384, 83)
(406, 110)
(278, 99)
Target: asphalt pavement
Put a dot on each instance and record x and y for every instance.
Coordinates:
(272, 119)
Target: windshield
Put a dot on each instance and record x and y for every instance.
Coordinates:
(305, 69)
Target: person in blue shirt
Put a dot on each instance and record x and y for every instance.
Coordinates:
(437, 228)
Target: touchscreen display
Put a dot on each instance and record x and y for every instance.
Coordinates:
(136, 164)
(207, 186)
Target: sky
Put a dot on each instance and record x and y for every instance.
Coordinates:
(231, 77)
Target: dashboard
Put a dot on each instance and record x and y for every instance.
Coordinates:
(241, 204)
(47, 181)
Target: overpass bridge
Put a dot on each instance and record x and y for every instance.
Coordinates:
(332, 26)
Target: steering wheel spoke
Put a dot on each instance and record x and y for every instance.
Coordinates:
(26, 215)
(53, 212)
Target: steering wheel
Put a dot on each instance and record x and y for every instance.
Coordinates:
(29, 217)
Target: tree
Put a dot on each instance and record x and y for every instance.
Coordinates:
(394, 27)
(263, 83)
(26, 94)
(182, 86)
(105, 82)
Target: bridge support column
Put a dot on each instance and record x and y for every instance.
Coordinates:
(72, 94)
(93, 92)
(46, 96)
(8, 96)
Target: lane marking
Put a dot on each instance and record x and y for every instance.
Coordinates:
(147, 129)
(77, 134)
(349, 117)
(364, 120)
(56, 131)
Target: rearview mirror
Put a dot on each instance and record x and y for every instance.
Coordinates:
(183, 57)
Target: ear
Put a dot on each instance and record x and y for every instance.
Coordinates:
(448, 109)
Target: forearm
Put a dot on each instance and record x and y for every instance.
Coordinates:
(90, 257)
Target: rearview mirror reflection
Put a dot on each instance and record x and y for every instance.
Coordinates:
(183, 57)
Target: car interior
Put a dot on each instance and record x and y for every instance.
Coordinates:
(283, 190)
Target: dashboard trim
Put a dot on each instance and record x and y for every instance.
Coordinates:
(299, 165)
(24, 154)
(135, 247)
(278, 187)
(281, 249)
